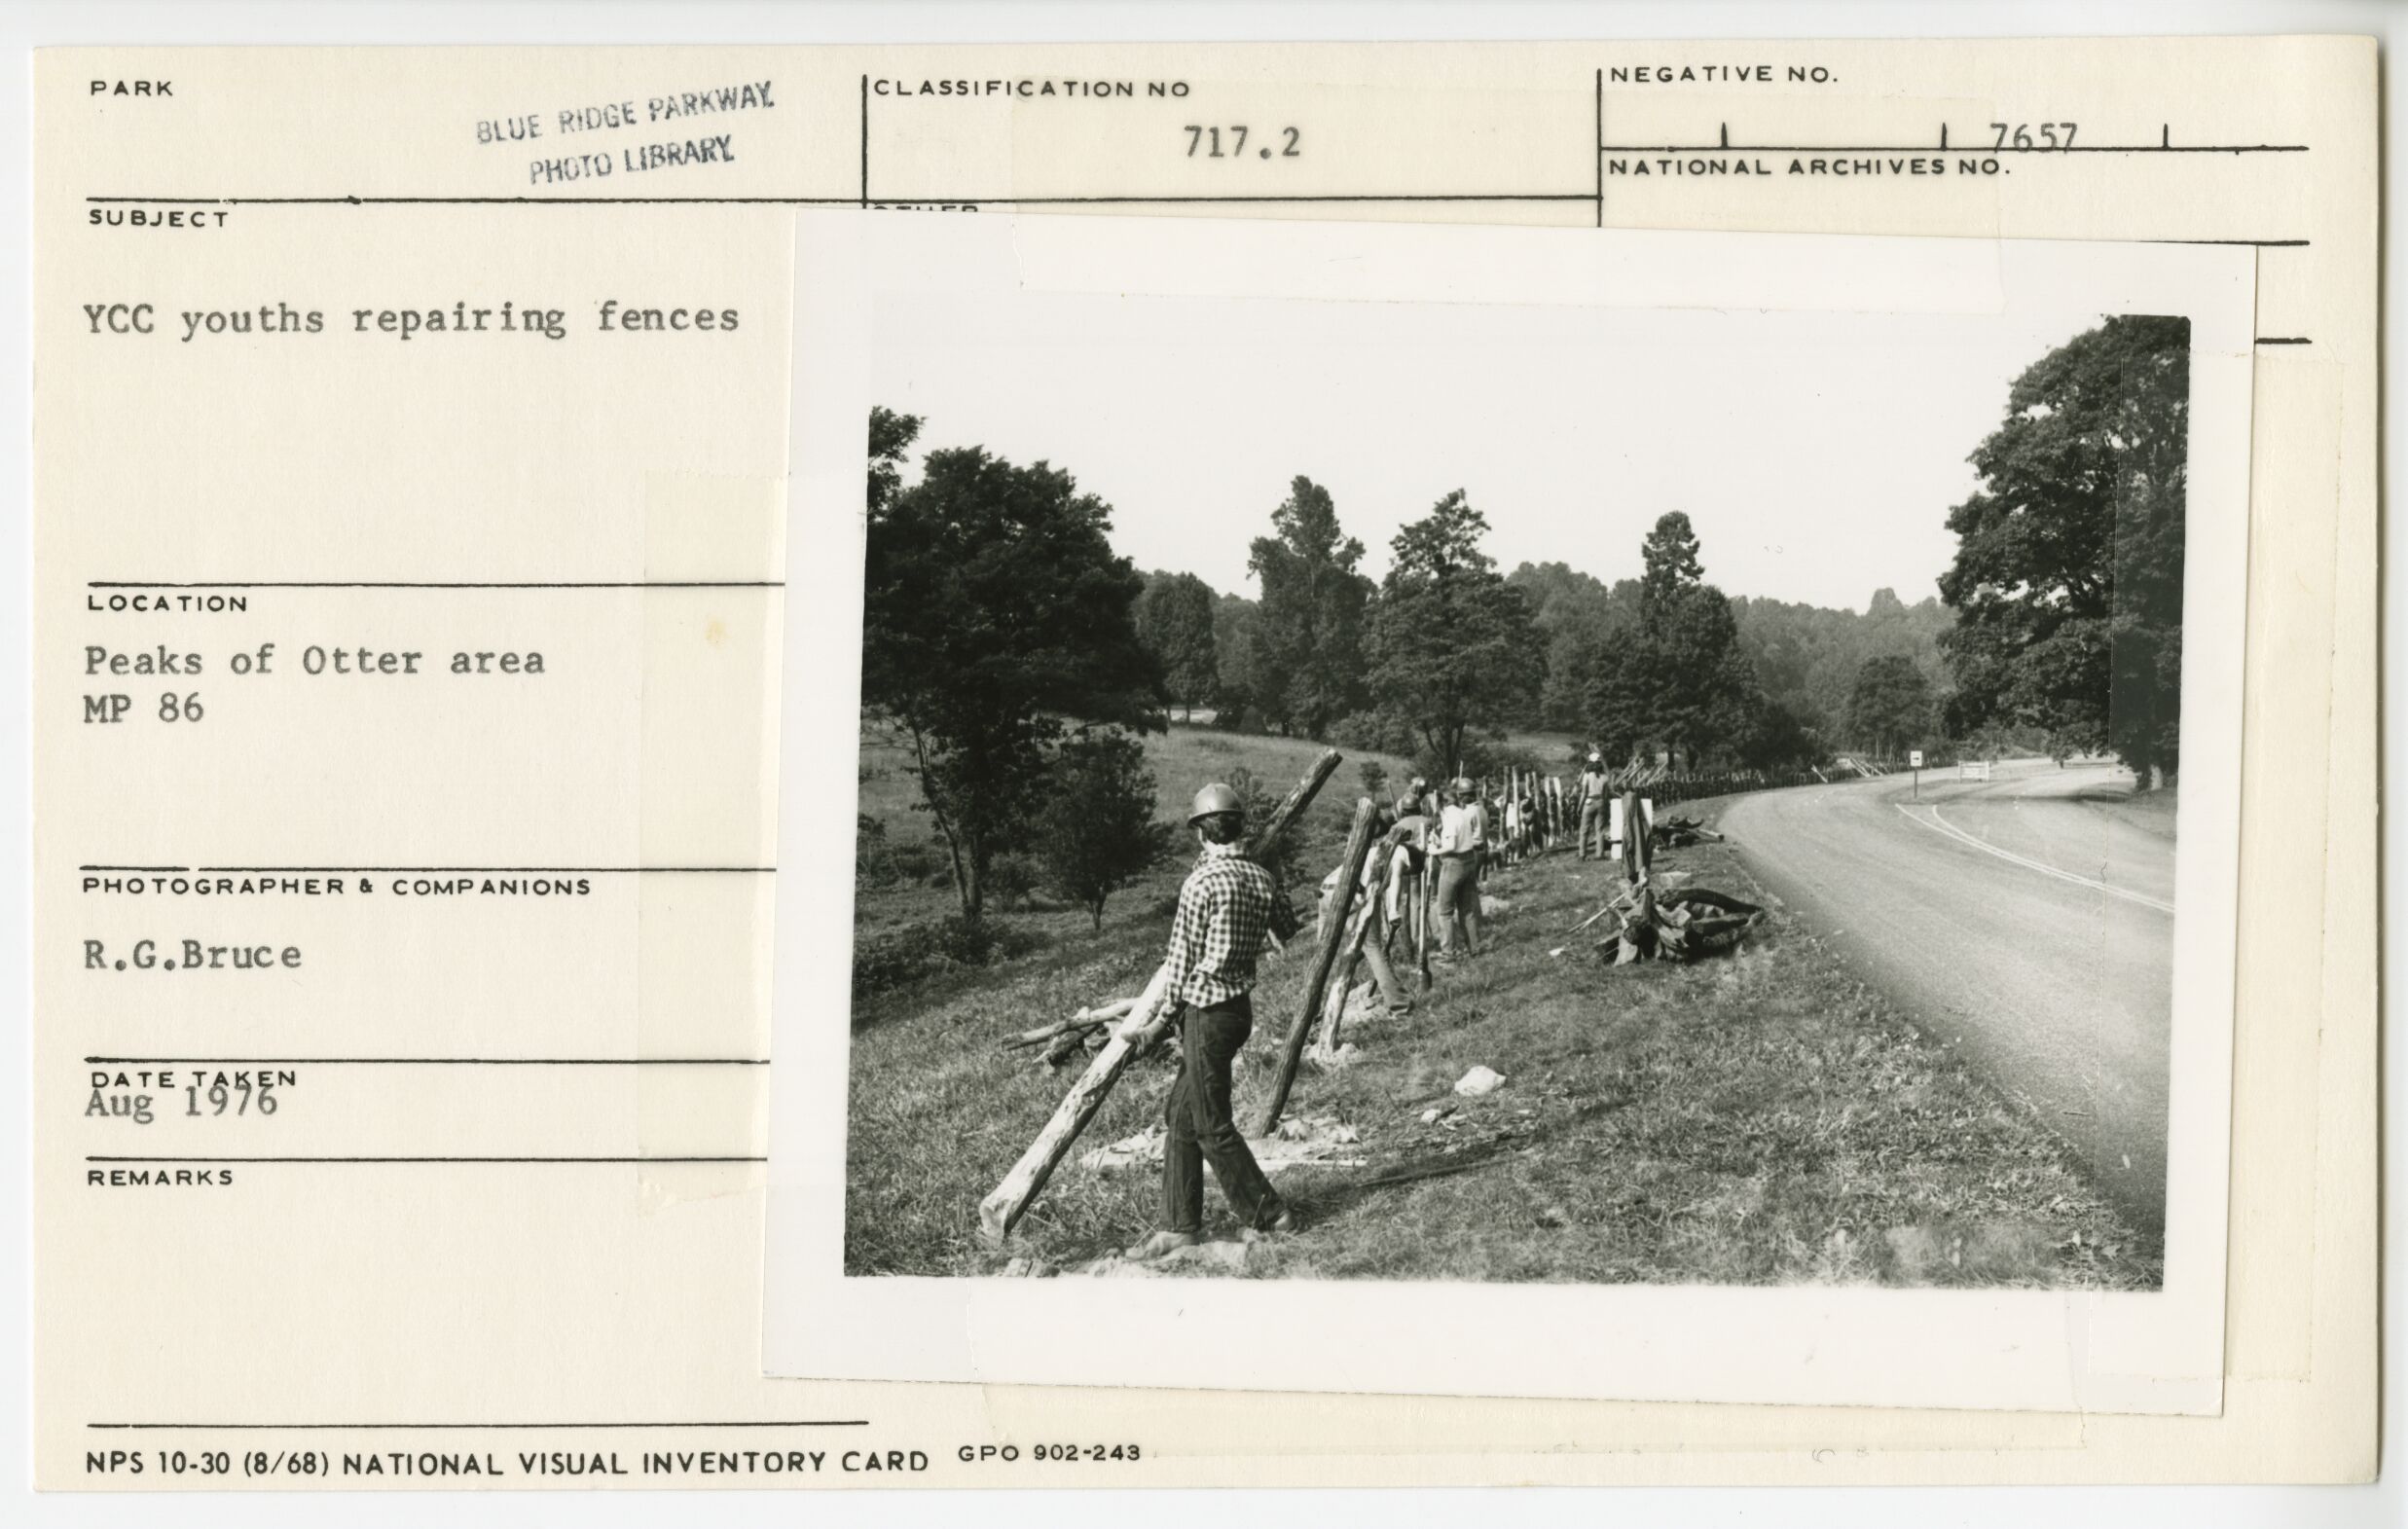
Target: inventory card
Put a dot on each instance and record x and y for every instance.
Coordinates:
(416, 739)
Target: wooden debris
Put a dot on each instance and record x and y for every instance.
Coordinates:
(1678, 925)
(1078, 1024)
(1679, 833)
(1367, 917)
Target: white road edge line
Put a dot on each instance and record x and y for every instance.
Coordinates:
(1941, 826)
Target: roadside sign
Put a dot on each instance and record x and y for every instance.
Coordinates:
(1915, 758)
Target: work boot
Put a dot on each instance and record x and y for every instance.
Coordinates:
(1279, 1226)
(1161, 1243)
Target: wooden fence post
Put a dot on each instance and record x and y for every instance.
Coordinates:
(1367, 919)
(1316, 982)
(1000, 1210)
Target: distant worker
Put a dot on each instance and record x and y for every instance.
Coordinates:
(1407, 840)
(1463, 837)
(1595, 788)
(1390, 858)
(1225, 916)
(1522, 823)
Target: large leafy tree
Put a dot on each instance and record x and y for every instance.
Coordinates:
(1308, 662)
(1452, 645)
(2067, 581)
(1174, 622)
(994, 607)
(1890, 706)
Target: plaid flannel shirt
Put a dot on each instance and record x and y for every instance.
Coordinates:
(1225, 912)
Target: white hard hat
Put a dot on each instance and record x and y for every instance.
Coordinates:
(1597, 758)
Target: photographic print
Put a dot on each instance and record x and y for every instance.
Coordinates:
(1596, 795)
(1771, 735)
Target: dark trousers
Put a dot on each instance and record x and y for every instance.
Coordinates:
(1201, 1125)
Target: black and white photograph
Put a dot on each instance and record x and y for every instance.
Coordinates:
(1750, 856)
(1496, 793)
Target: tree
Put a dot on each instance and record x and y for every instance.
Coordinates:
(890, 435)
(2067, 580)
(1669, 554)
(1572, 611)
(1808, 656)
(1779, 738)
(1096, 832)
(1175, 623)
(1235, 661)
(1673, 674)
(994, 608)
(1453, 646)
(1309, 635)
(1890, 706)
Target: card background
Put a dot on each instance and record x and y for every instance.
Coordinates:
(59, 24)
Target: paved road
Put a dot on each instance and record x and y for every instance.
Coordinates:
(2028, 918)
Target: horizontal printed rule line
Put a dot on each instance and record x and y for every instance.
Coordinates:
(1927, 149)
(1232, 197)
(152, 1061)
(106, 1159)
(2284, 340)
(428, 584)
(800, 1422)
(426, 871)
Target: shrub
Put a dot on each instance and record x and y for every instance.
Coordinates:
(925, 864)
(1377, 732)
(1010, 879)
(898, 958)
(1374, 779)
(1097, 833)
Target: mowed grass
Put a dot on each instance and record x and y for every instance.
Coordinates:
(1753, 1118)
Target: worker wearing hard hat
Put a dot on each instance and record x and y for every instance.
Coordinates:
(1595, 788)
(1463, 838)
(1224, 917)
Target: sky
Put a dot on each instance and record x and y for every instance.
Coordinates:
(1816, 454)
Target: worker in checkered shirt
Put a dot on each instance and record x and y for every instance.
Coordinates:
(1225, 916)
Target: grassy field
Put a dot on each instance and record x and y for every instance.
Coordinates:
(1184, 759)
(1753, 1118)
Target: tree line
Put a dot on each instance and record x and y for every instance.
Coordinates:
(1019, 655)
(1424, 663)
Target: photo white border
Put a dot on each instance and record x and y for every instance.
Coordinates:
(2020, 1350)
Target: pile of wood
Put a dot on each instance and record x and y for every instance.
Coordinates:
(1056, 1043)
(1679, 833)
(1675, 926)
(1665, 926)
